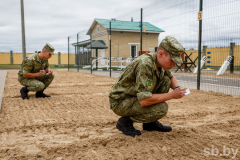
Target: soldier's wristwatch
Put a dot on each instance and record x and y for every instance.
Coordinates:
(177, 87)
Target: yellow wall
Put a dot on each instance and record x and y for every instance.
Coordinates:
(71, 59)
(17, 58)
(218, 55)
(5, 58)
(120, 45)
(193, 55)
(64, 58)
(53, 59)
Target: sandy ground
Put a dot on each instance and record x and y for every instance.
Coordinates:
(76, 123)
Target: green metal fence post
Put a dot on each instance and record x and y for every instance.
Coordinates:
(76, 56)
(78, 53)
(97, 59)
(141, 34)
(199, 44)
(83, 55)
(68, 53)
(11, 57)
(59, 58)
(91, 49)
(110, 43)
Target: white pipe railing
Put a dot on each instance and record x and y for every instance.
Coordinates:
(121, 60)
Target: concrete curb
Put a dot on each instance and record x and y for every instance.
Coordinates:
(3, 74)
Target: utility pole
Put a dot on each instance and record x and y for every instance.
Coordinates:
(23, 31)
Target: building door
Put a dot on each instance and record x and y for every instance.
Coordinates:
(133, 51)
(102, 56)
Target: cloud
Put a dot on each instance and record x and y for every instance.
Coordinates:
(53, 21)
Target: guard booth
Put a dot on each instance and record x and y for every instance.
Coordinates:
(82, 54)
(98, 44)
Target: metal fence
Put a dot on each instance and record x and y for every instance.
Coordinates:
(210, 38)
(78, 54)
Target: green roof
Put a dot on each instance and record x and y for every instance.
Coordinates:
(100, 41)
(127, 25)
(97, 44)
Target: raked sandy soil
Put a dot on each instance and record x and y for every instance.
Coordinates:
(76, 123)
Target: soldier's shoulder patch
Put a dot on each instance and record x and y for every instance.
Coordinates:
(149, 83)
(26, 67)
(169, 71)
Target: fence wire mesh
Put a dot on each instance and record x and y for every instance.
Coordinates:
(72, 53)
(221, 43)
(219, 59)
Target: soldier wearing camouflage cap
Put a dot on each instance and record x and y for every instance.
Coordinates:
(35, 73)
(140, 92)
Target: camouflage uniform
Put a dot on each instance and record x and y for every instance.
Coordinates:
(32, 64)
(138, 81)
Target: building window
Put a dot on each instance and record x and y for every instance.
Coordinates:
(133, 51)
(98, 28)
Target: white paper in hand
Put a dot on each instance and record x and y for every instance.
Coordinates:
(187, 92)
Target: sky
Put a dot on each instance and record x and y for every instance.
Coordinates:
(53, 21)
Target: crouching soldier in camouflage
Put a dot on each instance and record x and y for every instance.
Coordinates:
(140, 92)
(35, 74)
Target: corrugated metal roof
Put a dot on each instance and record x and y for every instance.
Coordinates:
(127, 25)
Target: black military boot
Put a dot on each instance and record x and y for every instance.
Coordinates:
(156, 126)
(24, 93)
(125, 124)
(40, 94)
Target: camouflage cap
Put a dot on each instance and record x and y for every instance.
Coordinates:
(50, 48)
(173, 47)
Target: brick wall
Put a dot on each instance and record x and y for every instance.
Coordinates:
(121, 41)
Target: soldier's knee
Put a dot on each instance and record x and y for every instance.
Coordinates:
(161, 110)
(51, 76)
(164, 108)
(40, 86)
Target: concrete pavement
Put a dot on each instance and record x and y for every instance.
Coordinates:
(227, 88)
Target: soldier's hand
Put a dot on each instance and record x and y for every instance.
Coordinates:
(42, 72)
(178, 93)
(50, 72)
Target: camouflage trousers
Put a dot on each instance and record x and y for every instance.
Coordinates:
(131, 107)
(36, 84)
